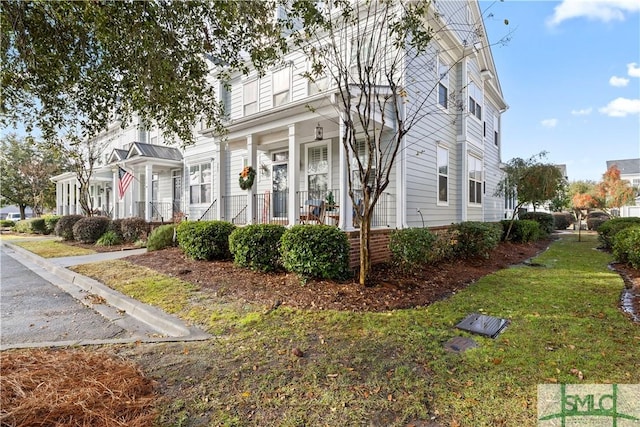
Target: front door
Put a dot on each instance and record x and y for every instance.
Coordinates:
(280, 184)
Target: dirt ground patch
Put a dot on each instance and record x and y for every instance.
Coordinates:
(73, 388)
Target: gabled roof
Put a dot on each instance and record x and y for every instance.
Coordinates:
(154, 151)
(117, 155)
(626, 166)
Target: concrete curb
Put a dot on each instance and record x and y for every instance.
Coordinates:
(159, 321)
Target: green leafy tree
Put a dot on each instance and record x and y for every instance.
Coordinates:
(529, 181)
(25, 168)
(363, 50)
(74, 66)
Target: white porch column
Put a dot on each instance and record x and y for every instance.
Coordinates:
(346, 205)
(65, 199)
(293, 178)
(148, 179)
(219, 183)
(253, 161)
(116, 194)
(76, 189)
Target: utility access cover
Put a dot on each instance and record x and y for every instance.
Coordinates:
(482, 324)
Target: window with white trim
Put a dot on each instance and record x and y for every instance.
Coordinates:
(281, 86)
(200, 183)
(362, 153)
(475, 180)
(496, 130)
(443, 83)
(250, 97)
(475, 100)
(318, 169)
(443, 175)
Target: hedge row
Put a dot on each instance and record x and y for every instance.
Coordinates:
(42, 225)
(92, 229)
(412, 248)
(626, 246)
(318, 251)
(608, 230)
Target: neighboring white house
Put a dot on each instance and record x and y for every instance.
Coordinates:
(447, 170)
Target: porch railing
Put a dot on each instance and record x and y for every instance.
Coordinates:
(209, 214)
(235, 209)
(165, 211)
(271, 208)
(383, 213)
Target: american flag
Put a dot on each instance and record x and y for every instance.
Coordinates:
(124, 179)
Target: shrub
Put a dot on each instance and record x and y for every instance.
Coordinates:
(205, 240)
(608, 230)
(38, 225)
(477, 238)
(626, 246)
(523, 230)
(6, 223)
(562, 220)
(162, 237)
(89, 229)
(596, 219)
(133, 229)
(64, 226)
(257, 246)
(544, 219)
(109, 238)
(23, 226)
(412, 248)
(50, 222)
(116, 226)
(320, 251)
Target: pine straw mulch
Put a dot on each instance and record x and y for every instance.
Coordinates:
(73, 388)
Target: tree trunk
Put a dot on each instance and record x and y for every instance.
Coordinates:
(365, 258)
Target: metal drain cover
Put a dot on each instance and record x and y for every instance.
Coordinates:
(482, 324)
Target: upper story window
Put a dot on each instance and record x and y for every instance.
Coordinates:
(496, 130)
(281, 86)
(200, 183)
(475, 101)
(225, 99)
(443, 175)
(250, 97)
(475, 180)
(443, 83)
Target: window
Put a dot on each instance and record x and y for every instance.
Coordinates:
(443, 175)
(496, 130)
(317, 170)
(250, 97)
(200, 183)
(443, 83)
(475, 180)
(362, 152)
(321, 84)
(281, 86)
(475, 101)
(225, 98)
(155, 182)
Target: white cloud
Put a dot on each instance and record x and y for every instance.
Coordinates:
(549, 123)
(595, 10)
(618, 81)
(621, 107)
(633, 70)
(583, 112)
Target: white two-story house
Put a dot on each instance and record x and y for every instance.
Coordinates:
(289, 128)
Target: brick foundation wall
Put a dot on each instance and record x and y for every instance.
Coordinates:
(378, 247)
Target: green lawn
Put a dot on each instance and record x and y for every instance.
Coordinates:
(384, 369)
(49, 248)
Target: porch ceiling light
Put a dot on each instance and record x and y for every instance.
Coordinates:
(319, 133)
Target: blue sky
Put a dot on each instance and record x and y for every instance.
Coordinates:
(571, 77)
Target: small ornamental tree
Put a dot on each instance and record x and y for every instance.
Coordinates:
(582, 202)
(529, 181)
(615, 192)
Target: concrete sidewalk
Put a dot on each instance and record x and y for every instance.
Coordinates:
(149, 323)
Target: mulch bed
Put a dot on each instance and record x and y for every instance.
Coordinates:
(391, 289)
